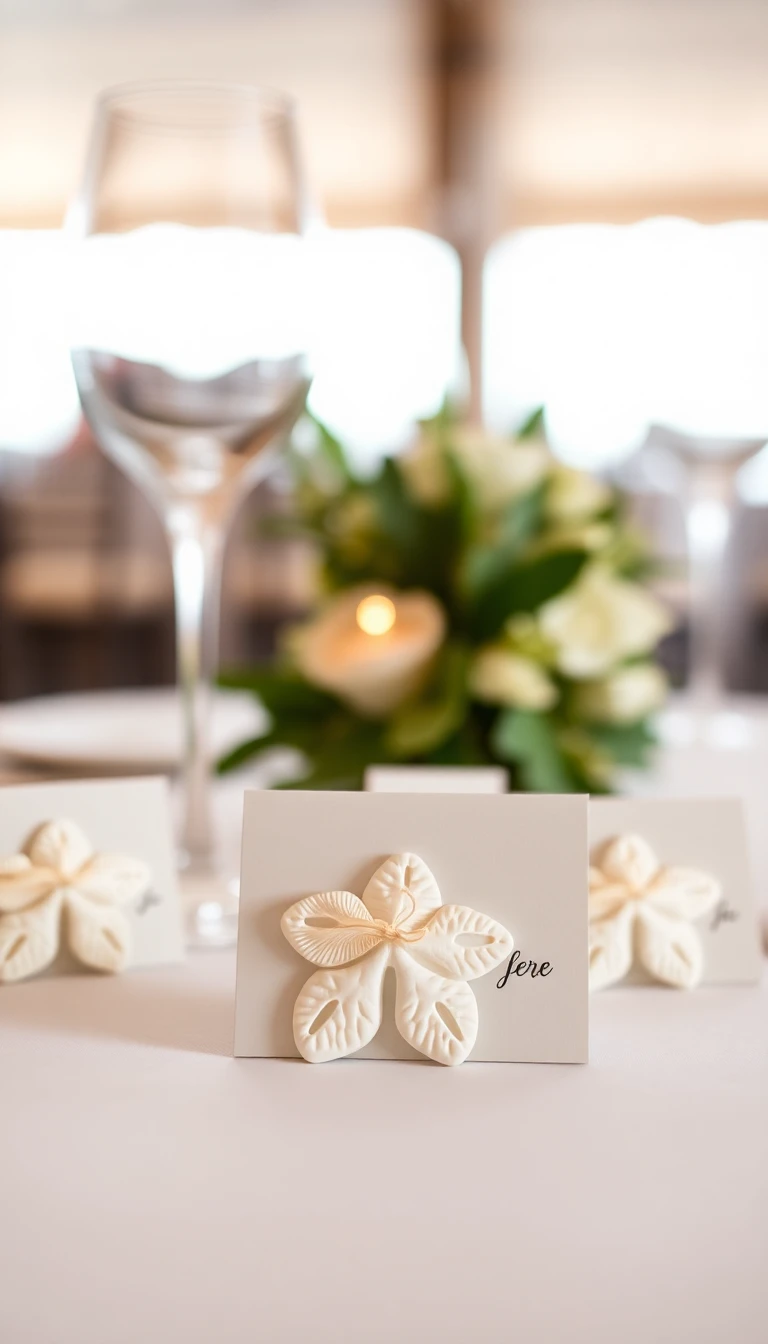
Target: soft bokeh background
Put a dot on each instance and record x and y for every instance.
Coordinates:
(529, 201)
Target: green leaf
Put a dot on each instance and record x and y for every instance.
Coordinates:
(397, 514)
(282, 692)
(522, 519)
(524, 588)
(245, 751)
(530, 741)
(420, 727)
(332, 449)
(444, 418)
(519, 523)
(627, 743)
(461, 509)
(341, 753)
(416, 546)
(331, 783)
(463, 748)
(533, 426)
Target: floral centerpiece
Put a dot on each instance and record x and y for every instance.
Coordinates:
(481, 604)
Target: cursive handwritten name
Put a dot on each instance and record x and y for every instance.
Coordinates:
(151, 898)
(723, 913)
(517, 967)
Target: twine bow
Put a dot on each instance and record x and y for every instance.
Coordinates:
(391, 933)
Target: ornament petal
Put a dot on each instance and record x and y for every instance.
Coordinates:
(462, 943)
(98, 935)
(60, 845)
(605, 898)
(29, 940)
(438, 1017)
(326, 928)
(387, 894)
(684, 892)
(628, 859)
(114, 879)
(339, 1011)
(669, 949)
(22, 884)
(610, 948)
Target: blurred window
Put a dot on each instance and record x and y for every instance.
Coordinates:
(616, 328)
(624, 109)
(357, 68)
(387, 339)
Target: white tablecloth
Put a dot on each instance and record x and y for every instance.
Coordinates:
(156, 1190)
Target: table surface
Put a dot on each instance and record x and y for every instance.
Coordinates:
(156, 1189)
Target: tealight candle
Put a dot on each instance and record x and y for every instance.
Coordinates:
(372, 649)
(376, 614)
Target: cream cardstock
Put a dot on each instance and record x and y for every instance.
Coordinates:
(88, 878)
(701, 881)
(494, 854)
(436, 779)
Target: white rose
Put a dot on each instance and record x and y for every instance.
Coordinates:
(628, 695)
(575, 494)
(373, 673)
(599, 622)
(501, 469)
(578, 536)
(504, 678)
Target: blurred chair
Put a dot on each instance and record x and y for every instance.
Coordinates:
(85, 599)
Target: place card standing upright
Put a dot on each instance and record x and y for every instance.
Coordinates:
(87, 878)
(436, 779)
(671, 893)
(418, 925)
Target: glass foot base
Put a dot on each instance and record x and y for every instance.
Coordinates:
(210, 907)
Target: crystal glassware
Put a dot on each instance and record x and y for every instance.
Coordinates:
(708, 487)
(189, 343)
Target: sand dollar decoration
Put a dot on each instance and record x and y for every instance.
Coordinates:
(58, 888)
(642, 910)
(400, 922)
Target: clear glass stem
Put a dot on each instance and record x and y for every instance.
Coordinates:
(709, 518)
(196, 549)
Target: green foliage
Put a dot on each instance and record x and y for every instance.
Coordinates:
(523, 587)
(533, 426)
(486, 560)
(626, 743)
(425, 725)
(487, 563)
(281, 692)
(529, 741)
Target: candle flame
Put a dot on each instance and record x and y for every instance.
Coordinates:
(376, 615)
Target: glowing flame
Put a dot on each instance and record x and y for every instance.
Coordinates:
(376, 615)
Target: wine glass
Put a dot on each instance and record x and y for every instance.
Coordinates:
(189, 344)
(708, 490)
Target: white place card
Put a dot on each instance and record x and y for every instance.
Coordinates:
(707, 835)
(87, 876)
(436, 779)
(494, 854)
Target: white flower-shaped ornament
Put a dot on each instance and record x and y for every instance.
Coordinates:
(400, 922)
(638, 908)
(58, 884)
